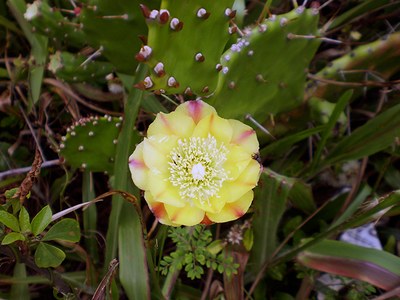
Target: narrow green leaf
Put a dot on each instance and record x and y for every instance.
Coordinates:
(282, 145)
(66, 230)
(269, 205)
(10, 25)
(376, 267)
(9, 220)
(124, 228)
(327, 132)
(12, 237)
(390, 202)
(374, 136)
(134, 277)
(20, 290)
(301, 196)
(41, 220)
(365, 191)
(367, 6)
(125, 146)
(47, 255)
(24, 220)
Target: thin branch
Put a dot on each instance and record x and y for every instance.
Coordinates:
(23, 170)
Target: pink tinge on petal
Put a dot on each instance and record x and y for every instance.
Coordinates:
(195, 110)
(166, 122)
(134, 163)
(243, 136)
(238, 212)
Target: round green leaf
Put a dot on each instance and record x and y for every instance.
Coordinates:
(48, 256)
(41, 220)
(12, 237)
(9, 220)
(65, 230)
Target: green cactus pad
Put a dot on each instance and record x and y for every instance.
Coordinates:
(185, 42)
(381, 56)
(52, 23)
(70, 67)
(265, 71)
(114, 26)
(90, 143)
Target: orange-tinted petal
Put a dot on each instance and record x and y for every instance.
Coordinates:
(188, 215)
(245, 136)
(175, 123)
(158, 210)
(196, 109)
(218, 127)
(234, 210)
(139, 170)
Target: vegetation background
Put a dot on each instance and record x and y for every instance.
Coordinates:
(80, 83)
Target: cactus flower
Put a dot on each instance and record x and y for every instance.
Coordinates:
(196, 167)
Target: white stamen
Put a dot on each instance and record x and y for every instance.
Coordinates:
(196, 168)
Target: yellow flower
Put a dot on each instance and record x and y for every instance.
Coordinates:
(196, 167)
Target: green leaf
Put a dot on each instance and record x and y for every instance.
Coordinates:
(124, 230)
(376, 267)
(41, 220)
(134, 278)
(20, 290)
(365, 7)
(248, 239)
(9, 220)
(374, 136)
(283, 145)
(327, 132)
(24, 220)
(12, 237)
(66, 230)
(269, 205)
(47, 256)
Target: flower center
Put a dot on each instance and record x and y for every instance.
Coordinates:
(198, 171)
(196, 168)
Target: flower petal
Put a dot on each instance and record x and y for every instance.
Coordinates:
(196, 109)
(218, 127)
(138, 168)
(158, 209)
(234, 210)
(188, 215)
(175, 123)
(232, 190)
(163, 191)
(237, 160)
(156, 151)
(213, 204)
(245, 136)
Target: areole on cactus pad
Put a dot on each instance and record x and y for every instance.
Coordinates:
(196, 167)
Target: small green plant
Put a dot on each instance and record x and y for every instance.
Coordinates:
(196, 250)
(17, 230)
